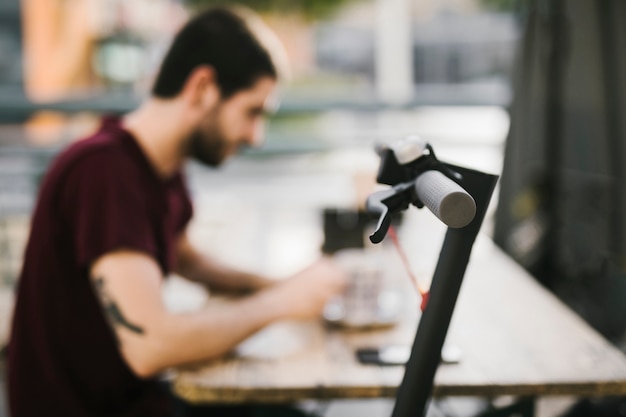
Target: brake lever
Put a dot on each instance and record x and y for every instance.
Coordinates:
(386, 202)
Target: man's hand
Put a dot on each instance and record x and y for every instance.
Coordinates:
(305, 294)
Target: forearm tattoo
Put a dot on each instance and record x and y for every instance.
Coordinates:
(112, 311)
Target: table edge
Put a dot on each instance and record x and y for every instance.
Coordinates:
(195, 394)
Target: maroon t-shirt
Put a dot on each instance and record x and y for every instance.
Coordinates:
(100, 195)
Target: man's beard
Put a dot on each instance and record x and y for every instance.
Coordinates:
(207, 148)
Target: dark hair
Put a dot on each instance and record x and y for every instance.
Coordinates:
(218, 37)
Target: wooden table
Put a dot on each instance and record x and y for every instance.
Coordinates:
(516, 339)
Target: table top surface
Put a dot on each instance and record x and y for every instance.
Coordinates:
(514, 336)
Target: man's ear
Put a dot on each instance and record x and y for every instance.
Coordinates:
(201, 89)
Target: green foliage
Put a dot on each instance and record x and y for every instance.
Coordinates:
(307, 8)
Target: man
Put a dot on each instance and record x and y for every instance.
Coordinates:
(110, 224)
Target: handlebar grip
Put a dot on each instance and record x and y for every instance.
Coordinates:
(445, 198)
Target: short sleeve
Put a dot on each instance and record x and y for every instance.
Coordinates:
(104, 204)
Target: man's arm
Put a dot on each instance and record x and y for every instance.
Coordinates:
(152, 339)
(200, 268)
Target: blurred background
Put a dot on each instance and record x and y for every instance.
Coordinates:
(532, 90)
(363, 72)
